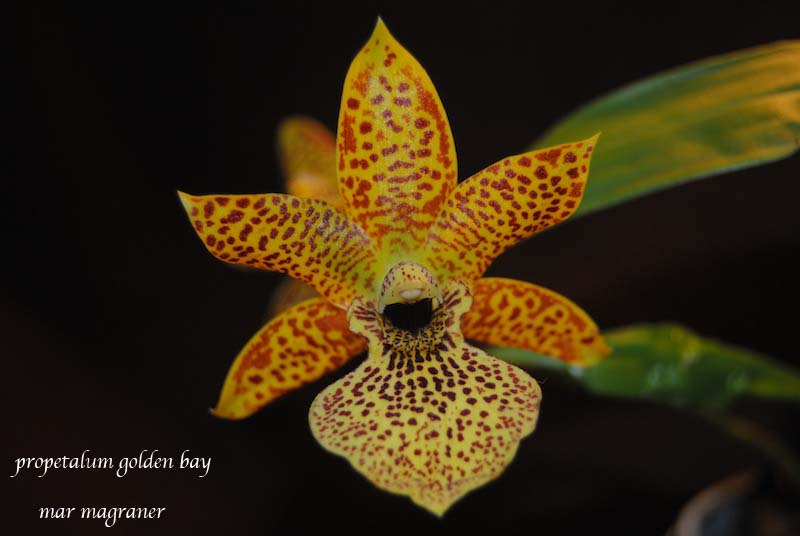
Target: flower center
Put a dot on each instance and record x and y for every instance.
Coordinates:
(409, 296)
(410, 316)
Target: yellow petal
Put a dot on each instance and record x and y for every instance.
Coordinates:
(517, 314)
(306, 239)
(295, 348)
(505, 203)
(307, 152)
(426, 415)
(395, 156)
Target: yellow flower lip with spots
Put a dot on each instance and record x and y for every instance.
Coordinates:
(430, 417)
(426, 414)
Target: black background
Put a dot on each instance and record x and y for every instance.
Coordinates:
(118, 327)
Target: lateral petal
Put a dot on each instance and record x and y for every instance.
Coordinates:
(296, 347)
(505, 203)
(307, 239)
(516, 314)
(426, 414)
(395, 154)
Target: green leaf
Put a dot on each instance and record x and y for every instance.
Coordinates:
(669, 363)
(722, 113)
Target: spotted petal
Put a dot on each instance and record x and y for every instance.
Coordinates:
(395, 154)
(426, 414)
(517, 314)
(307, 239)
(505, 203)
(307, 152)
(296, 347)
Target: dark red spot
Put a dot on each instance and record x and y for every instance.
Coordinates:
(348, 144)
(246, 231)
(550, 156)
(235, 216)
(394, 126)
(421, 123)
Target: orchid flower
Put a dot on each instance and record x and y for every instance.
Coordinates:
(399, 273)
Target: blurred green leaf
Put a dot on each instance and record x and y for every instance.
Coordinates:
(723, 113)
(669, 363)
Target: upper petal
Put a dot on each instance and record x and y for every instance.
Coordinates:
(307, 239)
(505, 203)
(294, 348)
(395, 156)
(517, 314)
(307, 151)
(426, 414)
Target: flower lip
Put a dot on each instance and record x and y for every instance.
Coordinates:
(426, 415)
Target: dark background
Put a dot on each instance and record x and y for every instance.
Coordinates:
(118, 327)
